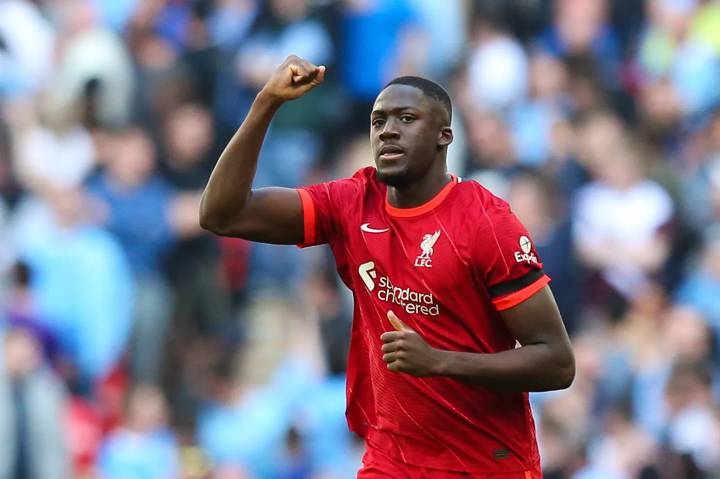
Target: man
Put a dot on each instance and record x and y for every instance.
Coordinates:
(441, 261)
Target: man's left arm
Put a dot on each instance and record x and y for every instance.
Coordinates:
(544, 361)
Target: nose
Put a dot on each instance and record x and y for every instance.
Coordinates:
(389, 129)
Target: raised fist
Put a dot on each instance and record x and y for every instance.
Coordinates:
(293, 78)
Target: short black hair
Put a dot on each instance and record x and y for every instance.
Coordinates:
(428, 87)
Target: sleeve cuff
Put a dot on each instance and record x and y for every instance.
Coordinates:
(308, 208)
(513, 299)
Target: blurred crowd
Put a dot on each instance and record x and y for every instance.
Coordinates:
(135, 345)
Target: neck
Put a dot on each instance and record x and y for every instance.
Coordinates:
(420, 192)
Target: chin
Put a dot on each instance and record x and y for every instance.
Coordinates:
(394, 178)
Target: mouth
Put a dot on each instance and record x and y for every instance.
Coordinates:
(391, 152)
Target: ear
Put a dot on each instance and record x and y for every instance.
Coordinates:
(445, 137)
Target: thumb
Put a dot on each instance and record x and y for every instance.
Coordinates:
(397, 323)
(320, 75)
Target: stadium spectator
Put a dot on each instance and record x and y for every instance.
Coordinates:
(139, 212)
(69, 257)
(193, 263)
(446, 28)
(619, 223)
(231, 20)
(547, 105)
(32, 401)
(379, 40)
(497, 67)
(583, 29)
(245, 426)
(701, 286)
(143, 447)
(94, 70)
(53, 154)
(669, 51)
(693, 430)
(26, 66)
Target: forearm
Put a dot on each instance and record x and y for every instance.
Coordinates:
(231, 180)
(534, 367)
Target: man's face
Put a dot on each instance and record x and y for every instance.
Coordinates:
(405, 130)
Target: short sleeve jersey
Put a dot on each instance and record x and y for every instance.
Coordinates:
(446, 268)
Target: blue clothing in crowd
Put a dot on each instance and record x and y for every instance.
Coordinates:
(370, 41)
(84, 290)
(128, 454)
(139, 219)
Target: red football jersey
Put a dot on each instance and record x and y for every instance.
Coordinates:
(445, 268)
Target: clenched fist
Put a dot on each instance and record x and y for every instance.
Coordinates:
(405, 351)
(292, 79)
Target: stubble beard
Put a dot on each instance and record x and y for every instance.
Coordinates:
(398, 179)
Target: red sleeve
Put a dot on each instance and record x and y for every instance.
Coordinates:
(324, 206)
(309, 219)
(506, 258)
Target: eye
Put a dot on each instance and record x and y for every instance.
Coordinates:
(377, 122)
(407, 118)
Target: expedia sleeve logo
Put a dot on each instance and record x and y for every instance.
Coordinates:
(525, 255)
(412, 302)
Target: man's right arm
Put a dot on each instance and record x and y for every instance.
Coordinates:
(229, 206)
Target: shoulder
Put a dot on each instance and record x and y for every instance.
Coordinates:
(490, 218)
(361, 177)
(480, 201)
(366, 174)
(342, 195)
(362, 180)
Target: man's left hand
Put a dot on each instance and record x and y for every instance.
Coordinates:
(405, 351)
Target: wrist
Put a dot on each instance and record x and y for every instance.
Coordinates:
(441, 362)
(266, 99)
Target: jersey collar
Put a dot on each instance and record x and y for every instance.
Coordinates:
(429, 205)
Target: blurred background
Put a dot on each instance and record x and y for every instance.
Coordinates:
(135, 345)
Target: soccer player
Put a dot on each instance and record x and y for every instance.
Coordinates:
(445, 282)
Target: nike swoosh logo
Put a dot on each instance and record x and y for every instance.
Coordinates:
(366, 228)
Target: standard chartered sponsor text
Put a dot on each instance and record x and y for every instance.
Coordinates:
(411, 301)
